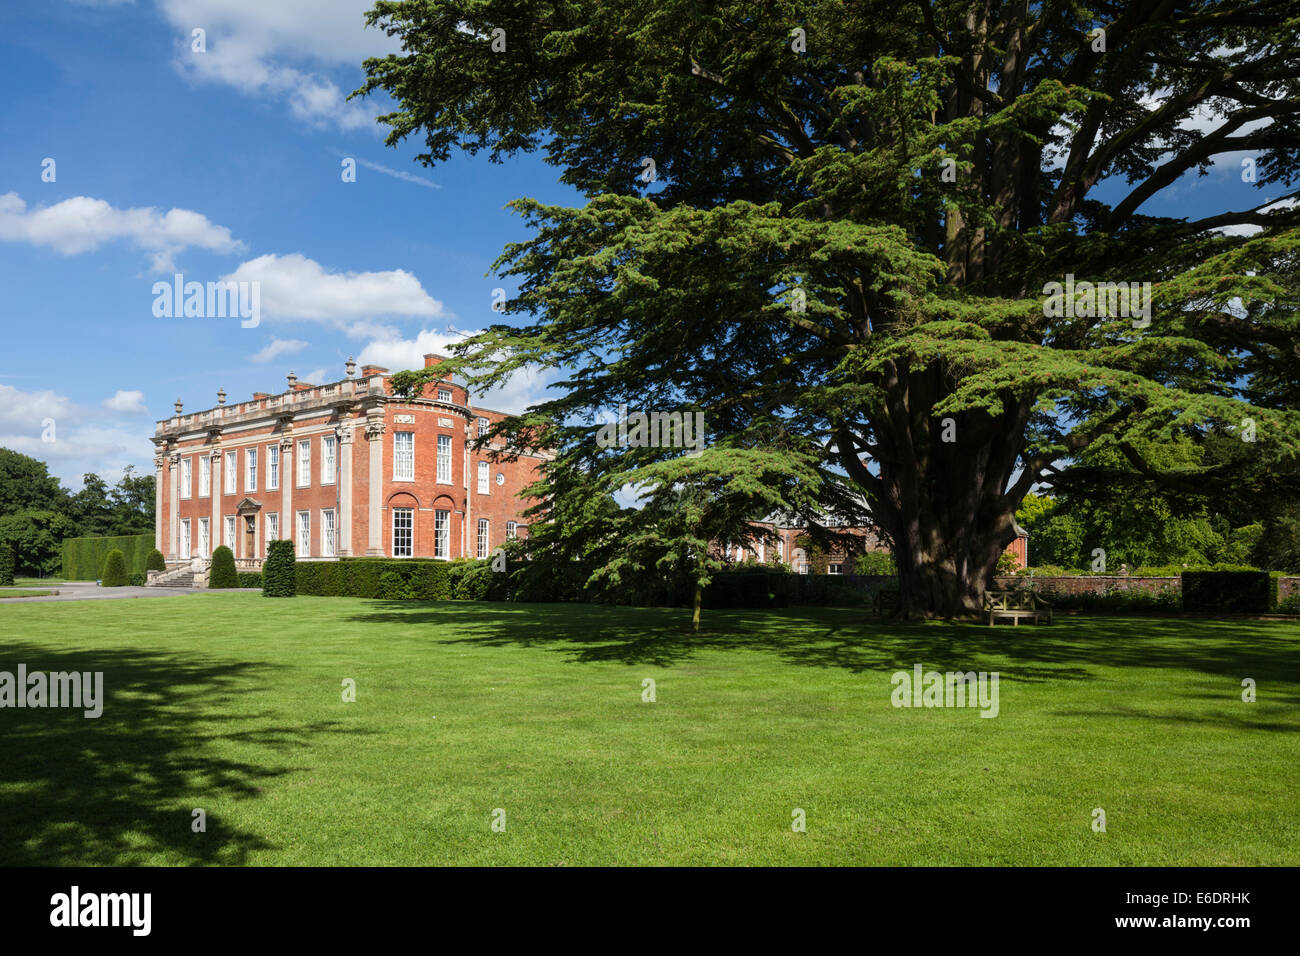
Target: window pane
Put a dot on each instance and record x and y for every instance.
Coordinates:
(304, 462)
(441, 534)
(444, 458)
(404, 456)
(327, 459)
(483, 539)
(327, 533)
(403, 522)
(483, 478)
(250, 467)
(304, 533)
(229, 472)
(273, 466)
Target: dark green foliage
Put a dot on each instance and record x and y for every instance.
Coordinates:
(114, 573)
(136, 579)
(387, 578)
(250, 579)
(37, 539)
(471, 580)
(155, 561)
(279, 577)
(1242, 592)
(83, 558)
(6, 564)
(875, 563)
(223, 574)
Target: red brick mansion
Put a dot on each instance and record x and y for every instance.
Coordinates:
(342, 469)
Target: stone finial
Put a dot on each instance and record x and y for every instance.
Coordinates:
(221, 396)
(351, 366)
(177, 406)
(293, 380)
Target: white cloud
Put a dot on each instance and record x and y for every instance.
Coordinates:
(71, 438)
(82, 224)
(277, 50)
(525, 387)
(295, 287)
(276, 348)
(127, 402)
(396, 173)
(1249, 228)
(317, 376)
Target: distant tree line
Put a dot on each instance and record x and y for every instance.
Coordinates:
(37, 512)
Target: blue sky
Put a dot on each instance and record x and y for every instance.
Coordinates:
(224, 163)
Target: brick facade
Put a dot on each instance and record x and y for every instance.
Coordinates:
(348, 454)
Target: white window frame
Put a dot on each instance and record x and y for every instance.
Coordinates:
(484, 478)
(444, 460)
(409, 515)
(229, 480)
(250, 469)
(444, 395)
(187, 477)
(399, 459)
(329, 459)
(512, 530)
(205, 476)
(272, 467)
(205, 537)
(835, 567)
(483, 425)
(302, 474)
(230, 531)
(273, 526)
(484, 537)
(442, 534)
(186, 545)
(304, 548)
(328, 530)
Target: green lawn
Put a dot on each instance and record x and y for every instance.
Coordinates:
(21, 593)
(232, 703)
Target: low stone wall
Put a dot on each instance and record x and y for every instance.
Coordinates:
(1100, 584)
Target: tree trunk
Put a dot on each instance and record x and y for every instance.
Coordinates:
(699, 600)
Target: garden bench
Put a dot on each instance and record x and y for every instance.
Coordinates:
(1016, 605)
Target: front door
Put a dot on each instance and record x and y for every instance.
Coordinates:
(250, 536)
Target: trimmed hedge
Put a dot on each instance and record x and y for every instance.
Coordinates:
(155, 561)
(250, 579)
(83, 558)
(6, 565)
(278, 576)
(136, 579)
(222, 573)
(395, 579)
(114, 575)
(1237, 591)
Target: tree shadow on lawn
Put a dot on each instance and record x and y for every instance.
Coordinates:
(850, 639)
(118, 790)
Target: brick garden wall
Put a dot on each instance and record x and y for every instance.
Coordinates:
(1098, 584)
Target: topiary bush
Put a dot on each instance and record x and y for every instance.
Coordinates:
(250, 579)
(6, 565)
(136, 579)
(155, 561)
(114, 573)
(223, 574)
(279, 576)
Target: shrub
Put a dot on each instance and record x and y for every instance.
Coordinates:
(223, 574)
(1290, 605)
(155, 561)
(136, 579)
(471, 580)
(114, 574)
(250, 579)
(1231, 591)
(399, 579)
(6, 564)
(279, 578)
(83, 558)
(875, 564)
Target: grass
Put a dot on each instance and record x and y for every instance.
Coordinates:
(21, 593)
(232, 703)
(20, 581)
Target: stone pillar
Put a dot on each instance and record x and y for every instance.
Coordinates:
(215, 532)
(375, 435)
(345, 490)
(158, 490)
(287, 477)
(174, 469)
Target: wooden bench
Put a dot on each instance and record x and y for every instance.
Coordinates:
(1015, 605)
(887, 599)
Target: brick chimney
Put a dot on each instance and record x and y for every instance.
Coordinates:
(368, 371)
